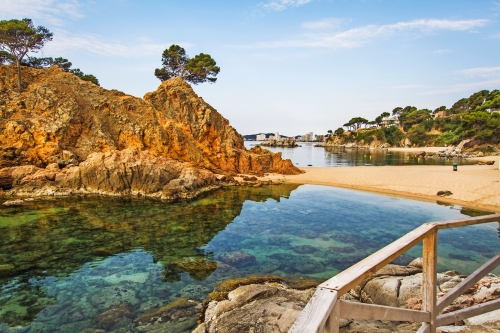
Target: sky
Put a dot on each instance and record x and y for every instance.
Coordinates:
(287, 66)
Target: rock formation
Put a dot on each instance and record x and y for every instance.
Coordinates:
(284, 143)
(60, 120)
(274, 309)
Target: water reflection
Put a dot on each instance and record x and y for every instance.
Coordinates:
(307, 154)
(71, 238)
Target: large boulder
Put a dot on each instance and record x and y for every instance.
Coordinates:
(255, 308)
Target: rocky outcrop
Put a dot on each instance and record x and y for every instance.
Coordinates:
(60, 120)
(58, 111)
(284, 143)
(126, 172)
(255, 308)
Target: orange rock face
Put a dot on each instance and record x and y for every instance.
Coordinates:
(61, 119)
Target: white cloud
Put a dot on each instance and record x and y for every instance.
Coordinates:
(481, 71)
(52, 11)
(64, 42)
(359, 36)
(442, 51)
(489, 84)
(279, 5)
(323, 24)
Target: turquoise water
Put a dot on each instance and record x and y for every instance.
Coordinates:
(64, 263)
(307, 154)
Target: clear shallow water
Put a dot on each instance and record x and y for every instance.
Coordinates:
(64, 262)
(339, 156)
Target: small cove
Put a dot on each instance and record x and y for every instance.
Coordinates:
(307, 154)
(63, 265)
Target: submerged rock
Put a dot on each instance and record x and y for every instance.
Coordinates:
(114, 295)
(237, 258)
(173, 317)
(118, 315)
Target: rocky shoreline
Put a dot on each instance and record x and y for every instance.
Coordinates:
(274, 307)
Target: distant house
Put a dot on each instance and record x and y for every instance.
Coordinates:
(439, 114)
(390, 121)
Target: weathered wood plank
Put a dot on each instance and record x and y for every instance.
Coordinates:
(333, 322)
(355, 274)
(429, 278)
(460, 288)
(362, 311)
(425, 328)
(462, 314)
(313, 318)
(468, 221)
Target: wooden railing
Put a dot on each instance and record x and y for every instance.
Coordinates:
(324, 310)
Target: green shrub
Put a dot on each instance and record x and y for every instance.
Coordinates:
(417, 135)
(448, 138)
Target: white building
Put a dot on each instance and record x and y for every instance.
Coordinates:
(277, 136)
(389, 121)
(261, 137)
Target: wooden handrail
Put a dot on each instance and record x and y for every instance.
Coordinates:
(324, 309)
(354, 275)
(460, 288)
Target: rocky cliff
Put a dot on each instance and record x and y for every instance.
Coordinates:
(61, 120)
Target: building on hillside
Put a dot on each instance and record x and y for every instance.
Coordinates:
(439, 114)
(261, 137)
(390, 121)
(277, 136)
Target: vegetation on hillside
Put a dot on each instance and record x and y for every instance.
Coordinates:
(17, 38)
(20, 37)
(63, 63)
(476, 117)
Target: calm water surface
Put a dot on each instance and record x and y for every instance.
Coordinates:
(64, 262)
(339, 156)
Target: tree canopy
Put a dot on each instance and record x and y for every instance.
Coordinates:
(176, 63)
(476, 117)
(18, 37)
(62, 63)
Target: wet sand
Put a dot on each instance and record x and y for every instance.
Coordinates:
(475, 186)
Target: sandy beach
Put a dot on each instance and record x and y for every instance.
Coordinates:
(475, 186)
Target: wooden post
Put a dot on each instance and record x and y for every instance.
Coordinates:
(429, 278)
(332, 324)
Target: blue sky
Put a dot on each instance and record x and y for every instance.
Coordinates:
(291, 66)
